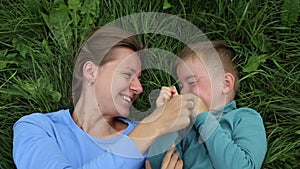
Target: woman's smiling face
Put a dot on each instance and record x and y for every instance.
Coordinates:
(118, 82)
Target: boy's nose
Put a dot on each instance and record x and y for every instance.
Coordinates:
(185, 89)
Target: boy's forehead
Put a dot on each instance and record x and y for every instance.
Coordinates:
(190, 68)
(190, 63)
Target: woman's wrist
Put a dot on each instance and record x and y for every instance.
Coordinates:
(144, 134)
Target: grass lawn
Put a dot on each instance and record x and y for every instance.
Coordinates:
(39, 39)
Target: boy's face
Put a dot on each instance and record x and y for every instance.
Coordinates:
(194, 78)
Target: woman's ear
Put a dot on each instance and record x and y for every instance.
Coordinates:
(229, 81)
(89, 71)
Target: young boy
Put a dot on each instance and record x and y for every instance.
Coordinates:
(225, 137)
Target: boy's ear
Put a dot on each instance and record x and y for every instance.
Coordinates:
(89, 71)
(229, 81)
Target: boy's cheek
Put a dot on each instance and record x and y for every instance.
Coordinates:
(196, 91)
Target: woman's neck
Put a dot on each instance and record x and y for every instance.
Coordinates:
(88, 116)
(97, 125)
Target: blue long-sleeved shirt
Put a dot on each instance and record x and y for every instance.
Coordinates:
(230, 138)
(54, 141)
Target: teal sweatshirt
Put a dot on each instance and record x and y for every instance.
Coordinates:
(229, 138)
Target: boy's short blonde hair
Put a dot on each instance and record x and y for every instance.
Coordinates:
(211, 54)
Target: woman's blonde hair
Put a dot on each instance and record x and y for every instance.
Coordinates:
(97, 49)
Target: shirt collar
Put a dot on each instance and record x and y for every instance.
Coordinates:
(229, 107)
(224, 109)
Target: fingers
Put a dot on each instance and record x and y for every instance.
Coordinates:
(166, 90)
(179, 164)
(170, 91)
(174, 115)
(195, 104)
(147, 165)
(173, 91)
(167, 157)
(190, 104)
(164, 96)
(171, 161)
(166, 93)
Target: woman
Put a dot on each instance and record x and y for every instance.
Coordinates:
(96, 134)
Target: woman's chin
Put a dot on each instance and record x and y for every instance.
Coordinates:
(123, 112)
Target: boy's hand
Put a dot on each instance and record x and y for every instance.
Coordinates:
(166, 93)
(198, 106)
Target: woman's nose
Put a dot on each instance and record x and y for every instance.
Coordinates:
(136, 86)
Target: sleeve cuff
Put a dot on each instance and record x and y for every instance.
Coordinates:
(162, 144)
(205, 123)
(124, 147)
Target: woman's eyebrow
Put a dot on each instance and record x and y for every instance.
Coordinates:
(130, 69)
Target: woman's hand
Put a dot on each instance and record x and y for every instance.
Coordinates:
(170, 160)
(174, 115)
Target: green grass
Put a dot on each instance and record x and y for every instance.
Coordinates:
(39, 39)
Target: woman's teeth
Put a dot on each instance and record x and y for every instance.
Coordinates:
(127, 99)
